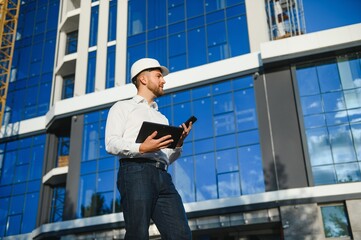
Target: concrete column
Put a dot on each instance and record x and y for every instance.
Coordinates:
(354, 213)
(101, 61)
(83, 46)
(257, 24)
(57, 88)
(59, 55)
(121, 47)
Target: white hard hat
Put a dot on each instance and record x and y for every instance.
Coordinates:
(144, 64)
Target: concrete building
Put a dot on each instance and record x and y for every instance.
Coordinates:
(276, 150)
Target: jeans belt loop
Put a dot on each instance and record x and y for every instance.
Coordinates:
(161, 165)
(157, 164)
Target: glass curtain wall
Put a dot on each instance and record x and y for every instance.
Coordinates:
(330, 97)
(221, 157)
(32, 70)
(183, 34)
(97, 193)
(21, 164)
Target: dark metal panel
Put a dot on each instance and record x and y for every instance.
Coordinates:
(265, 133)
(280, 137)
(46, 192)
(73, 177)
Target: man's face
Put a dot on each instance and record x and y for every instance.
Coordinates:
(155, 82)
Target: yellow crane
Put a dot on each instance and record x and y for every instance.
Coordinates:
(9, 13)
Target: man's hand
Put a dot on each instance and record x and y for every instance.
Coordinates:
(185, 133)
(151, 144)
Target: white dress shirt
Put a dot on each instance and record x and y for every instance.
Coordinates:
(123, 124)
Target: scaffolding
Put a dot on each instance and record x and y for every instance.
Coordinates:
(285, 18)
(9, 12)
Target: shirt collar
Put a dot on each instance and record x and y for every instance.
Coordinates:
(139, 99)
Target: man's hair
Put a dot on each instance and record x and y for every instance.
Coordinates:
(135, 79)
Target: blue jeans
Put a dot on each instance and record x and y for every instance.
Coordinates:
(149, 193)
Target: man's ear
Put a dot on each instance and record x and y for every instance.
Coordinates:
(142, 79)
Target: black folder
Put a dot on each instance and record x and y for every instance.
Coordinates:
(148, 128)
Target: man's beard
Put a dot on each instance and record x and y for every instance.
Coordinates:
(156, 90)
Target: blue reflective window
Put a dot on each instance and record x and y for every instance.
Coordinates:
(112, 27)
(197, 52)
(324, 174)
(53, 10)
(206, 187)
(48, 57)
(37, 50)
(13, 225)
(238, 42)
(90, 83)
(251, 166)
(177, 44)
(57, 204)
(328, 77)
(136, 17)
(355, 129)
(93, 37)
(110, 73)
(335, 221)
(33, 59)
(213, 36)
(30, 212)
(157, 50)
(175, 12)
(341, 143)
(201, 107)
(183, 170)
(68, 87)
(331, 107)
(157, 16)
(181, 111)
(227, 161)
(28, 24)
(224, 124)
(194, 8)
(224, 153)
(71, 42)
(106, 180)
(97, 191)
(226, 141)
(212, 5)
(202, 32)
(87, 195)
(20, 184)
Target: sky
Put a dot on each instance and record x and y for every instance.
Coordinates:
(325, 14)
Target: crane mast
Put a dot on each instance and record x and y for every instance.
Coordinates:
(9, 13)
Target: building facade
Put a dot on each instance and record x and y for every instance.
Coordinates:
(276, 150)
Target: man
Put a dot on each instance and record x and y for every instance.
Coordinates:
(146, 188)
